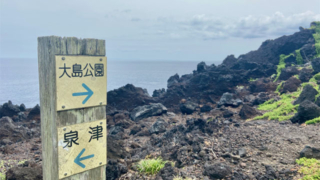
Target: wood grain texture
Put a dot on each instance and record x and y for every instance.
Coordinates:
(48, 47)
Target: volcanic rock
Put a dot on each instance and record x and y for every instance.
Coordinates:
(201, 67)
(114, 169)
(173, 80)
(286, 73)
(306, 111)
(154, 109)
(229, 61)
(26, 173)
(115, 148)
(247, 112)
(308, 93)
(159, 92)
(260, 98)
(8, 109)
(316, 65)
(318, 101)
(227, 99)
(128, 97)
(22, 107)
(262, 85)
(305, 74)
(34, 113)
(158, 127)
(217, 170)
(205, 108)
(310, 152)
(167, 172)
(188, 107)
(290, 85)
(135, 129)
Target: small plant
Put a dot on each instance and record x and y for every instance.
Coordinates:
(316, 37)
(310, 168)
(151, 166)
(279, 87)
(252, 80)
(2, 176)
(313, 121)
(299, 57)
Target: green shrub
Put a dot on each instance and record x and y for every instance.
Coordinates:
(151, 166)
(316, 37)
(310, 168)
(299, 57)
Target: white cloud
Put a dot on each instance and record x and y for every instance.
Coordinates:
(209, 27)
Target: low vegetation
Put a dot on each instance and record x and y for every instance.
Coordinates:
(299, 58)
(151, 166)
(317, 37)
(279, 110)
(310, 168)
(284, 109)
(313, 121)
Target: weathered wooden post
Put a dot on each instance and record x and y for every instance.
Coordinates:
(72, 77)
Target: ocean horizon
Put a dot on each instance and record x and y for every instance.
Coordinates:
(20, 82)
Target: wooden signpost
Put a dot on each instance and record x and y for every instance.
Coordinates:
(73, 81)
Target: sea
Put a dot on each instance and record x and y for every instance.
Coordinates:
(19, 76)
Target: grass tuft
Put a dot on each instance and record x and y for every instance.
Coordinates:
(310, 168)
(279, 110)
(313, 121)
(151, 166)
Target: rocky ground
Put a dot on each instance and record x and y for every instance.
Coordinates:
(209, 124)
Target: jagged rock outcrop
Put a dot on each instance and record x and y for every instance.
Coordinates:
(158, 127)
(262, 85)
(286, 73)
(8, 109)
(26, 173)
(217, 170)
(229, 61)
(310, 152)
(158, 93)
(290, 85)
(128, 97)
(201, 67)
(146, 111)
(306, 111)
(305, 74)
(316, 65)
(188, 107)
(34, 113)
(308, 93)
(228, 99)
(247, 112)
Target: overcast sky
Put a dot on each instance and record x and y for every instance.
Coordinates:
(192, 30)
